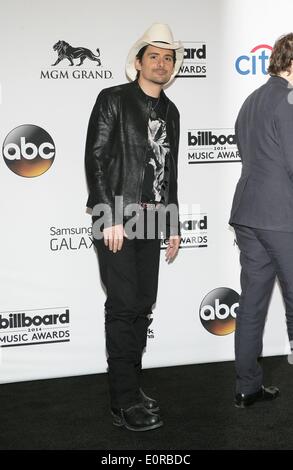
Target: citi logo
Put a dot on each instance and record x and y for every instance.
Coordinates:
(209, 138)
(20, 320)
(218, 311)
(256, 62)
(28, 151)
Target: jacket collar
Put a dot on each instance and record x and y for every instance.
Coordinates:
(163, 96)
(280, 80)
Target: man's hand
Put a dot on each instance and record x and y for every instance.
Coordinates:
(173, 247)
(113, 237)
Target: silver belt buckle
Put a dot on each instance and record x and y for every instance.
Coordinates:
(150, 206)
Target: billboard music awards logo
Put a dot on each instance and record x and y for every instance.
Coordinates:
(70, 238)
(194, 231)
(69, 56)
(28, 151)
(194, 63)
(256, 62)
(39, 326)
(212, 146)
(217, 311)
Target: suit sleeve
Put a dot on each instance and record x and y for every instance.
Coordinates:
(284, 131)
(100, 136)
(237, 137)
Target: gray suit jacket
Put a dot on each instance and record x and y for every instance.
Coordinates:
(264, 134)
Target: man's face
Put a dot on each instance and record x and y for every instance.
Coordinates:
(156, 65)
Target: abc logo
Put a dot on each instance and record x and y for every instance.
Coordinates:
(217, 311)
(28, 151)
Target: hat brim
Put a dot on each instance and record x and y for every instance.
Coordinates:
(130, 69)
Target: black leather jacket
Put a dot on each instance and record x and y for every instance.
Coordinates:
(116, 146)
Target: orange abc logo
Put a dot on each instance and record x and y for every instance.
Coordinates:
(218, 311)
(28, 151)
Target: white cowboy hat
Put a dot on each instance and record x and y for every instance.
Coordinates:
(158, 35)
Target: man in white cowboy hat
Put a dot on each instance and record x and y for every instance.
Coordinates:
(131, 154)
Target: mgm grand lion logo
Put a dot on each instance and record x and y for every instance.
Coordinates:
(66, 51)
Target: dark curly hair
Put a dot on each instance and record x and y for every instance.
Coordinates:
(282, 55)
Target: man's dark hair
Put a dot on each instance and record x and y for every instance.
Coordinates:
(282, 55)
(141, 52)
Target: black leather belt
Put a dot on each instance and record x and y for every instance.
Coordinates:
(150, 205)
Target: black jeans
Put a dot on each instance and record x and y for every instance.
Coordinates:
(130, 277)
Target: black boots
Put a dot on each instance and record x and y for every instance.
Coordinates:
(149, 403)
(136, 418)
(140, 417)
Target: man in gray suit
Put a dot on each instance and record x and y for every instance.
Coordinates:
(262, 216)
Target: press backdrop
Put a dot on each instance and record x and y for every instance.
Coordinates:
(51, 303)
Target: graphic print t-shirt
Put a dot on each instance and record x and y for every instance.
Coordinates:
(157, 153)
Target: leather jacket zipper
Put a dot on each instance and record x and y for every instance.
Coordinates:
(145, 155)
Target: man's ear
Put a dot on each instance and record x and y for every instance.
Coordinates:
(137, 64)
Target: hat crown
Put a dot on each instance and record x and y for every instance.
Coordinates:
(158, 32)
